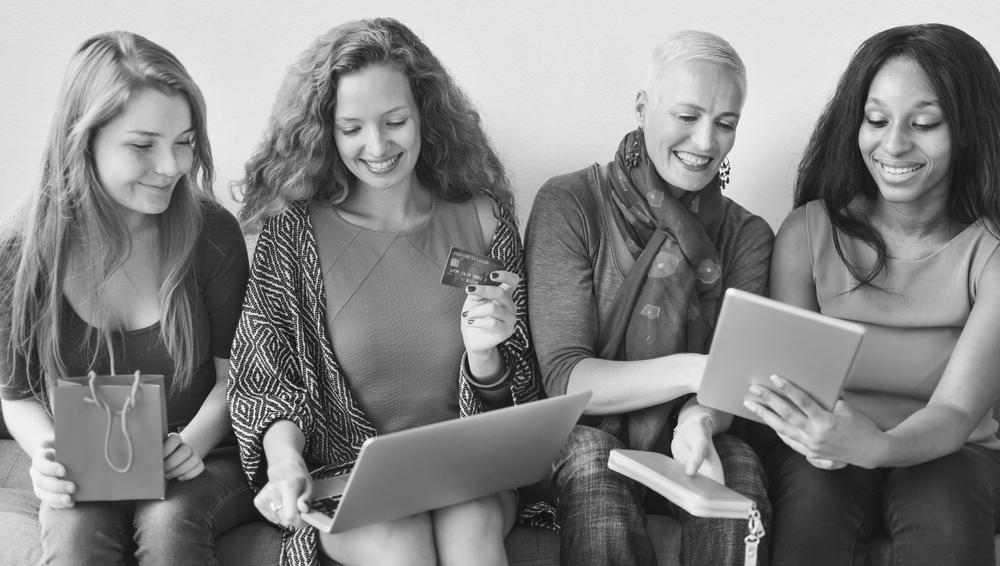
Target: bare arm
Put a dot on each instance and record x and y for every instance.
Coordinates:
(211, 423)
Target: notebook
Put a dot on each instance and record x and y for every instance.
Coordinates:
(757, 337)
(436, 465)
(698, 495)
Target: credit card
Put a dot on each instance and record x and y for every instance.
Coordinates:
(468, 268)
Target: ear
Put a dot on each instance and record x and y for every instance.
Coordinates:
(641, 102)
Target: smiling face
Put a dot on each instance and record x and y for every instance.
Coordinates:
(689, 124)
(377, 127)
(142, 153)
(904, 138)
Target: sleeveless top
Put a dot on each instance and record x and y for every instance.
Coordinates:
(393, 325)
(913, 315)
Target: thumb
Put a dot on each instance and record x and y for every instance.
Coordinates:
(305, 498)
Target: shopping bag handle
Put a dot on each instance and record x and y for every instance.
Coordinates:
(127, 406)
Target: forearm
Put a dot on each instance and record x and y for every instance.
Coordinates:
(28, 423)
(210, 424)
(623, 386)
(486, 368)
(720, 420)
(283, 443)
(932, 432)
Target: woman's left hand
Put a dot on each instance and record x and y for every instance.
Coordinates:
(828, 439)
(489, 314)
(180, 461)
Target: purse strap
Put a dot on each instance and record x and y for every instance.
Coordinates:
(127, 406)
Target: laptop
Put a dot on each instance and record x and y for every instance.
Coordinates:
(757, 337)
(432, 466)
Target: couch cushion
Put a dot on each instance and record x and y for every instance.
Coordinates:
(19, 525)
(14, 464)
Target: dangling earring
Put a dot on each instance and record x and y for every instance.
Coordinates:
(632, 155)
(724, 174)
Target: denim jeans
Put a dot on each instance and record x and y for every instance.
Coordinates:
(181, 529)
(603, 513)
(938, 512)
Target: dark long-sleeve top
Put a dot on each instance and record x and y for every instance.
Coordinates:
(575, 257)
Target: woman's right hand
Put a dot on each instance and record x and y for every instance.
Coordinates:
(287, 494)
(46, 476)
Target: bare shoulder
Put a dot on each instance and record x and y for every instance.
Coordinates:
(486, 208)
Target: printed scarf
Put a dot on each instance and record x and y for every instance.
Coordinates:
(668, 301)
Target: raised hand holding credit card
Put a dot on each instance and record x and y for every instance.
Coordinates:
(467, 268)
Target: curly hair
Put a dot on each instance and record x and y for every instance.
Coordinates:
(967, 83)
(71, 212)
(297, 159)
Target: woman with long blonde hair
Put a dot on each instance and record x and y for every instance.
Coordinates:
(122, 262)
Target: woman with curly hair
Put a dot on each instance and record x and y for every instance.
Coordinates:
(373, 167)
(122, 261)
(896, 225)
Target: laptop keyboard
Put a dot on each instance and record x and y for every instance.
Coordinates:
(327, 505)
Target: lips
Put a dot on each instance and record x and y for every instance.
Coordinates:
(166, 187)
(692, 161)
(900, 169)
(381, 166)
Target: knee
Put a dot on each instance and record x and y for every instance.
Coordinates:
(87, 533)
(484, 515)
(944, 494)
(743, 470)
(409, 540)
(585, 456)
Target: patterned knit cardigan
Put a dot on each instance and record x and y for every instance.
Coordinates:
(283, 365)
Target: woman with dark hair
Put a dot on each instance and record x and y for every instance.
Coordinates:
(121, 262)
(895, 226)
(373, 167)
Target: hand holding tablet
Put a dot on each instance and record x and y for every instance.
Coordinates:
(757, 338)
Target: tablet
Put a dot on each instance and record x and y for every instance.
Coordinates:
(757, 337)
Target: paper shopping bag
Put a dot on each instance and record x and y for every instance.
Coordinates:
(109, 432)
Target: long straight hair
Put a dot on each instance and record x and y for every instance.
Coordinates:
(71, 213)
(967, 83)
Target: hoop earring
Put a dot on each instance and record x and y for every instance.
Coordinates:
(725, 174)
(634, 150)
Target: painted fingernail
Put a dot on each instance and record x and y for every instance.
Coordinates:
(470, 289)
(756, 390)
(749, 406)
(465, 314)
(494, 276)
(468, 321)
(777, 381)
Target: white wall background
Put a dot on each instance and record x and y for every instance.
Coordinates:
(554, 81)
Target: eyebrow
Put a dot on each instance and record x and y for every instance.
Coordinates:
(921, 104)
(389, 111)
(158, 134)
(697, 108)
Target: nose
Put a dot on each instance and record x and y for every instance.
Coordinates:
(897, 139)
(375, 142)
(167, 162)
(704, 135)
